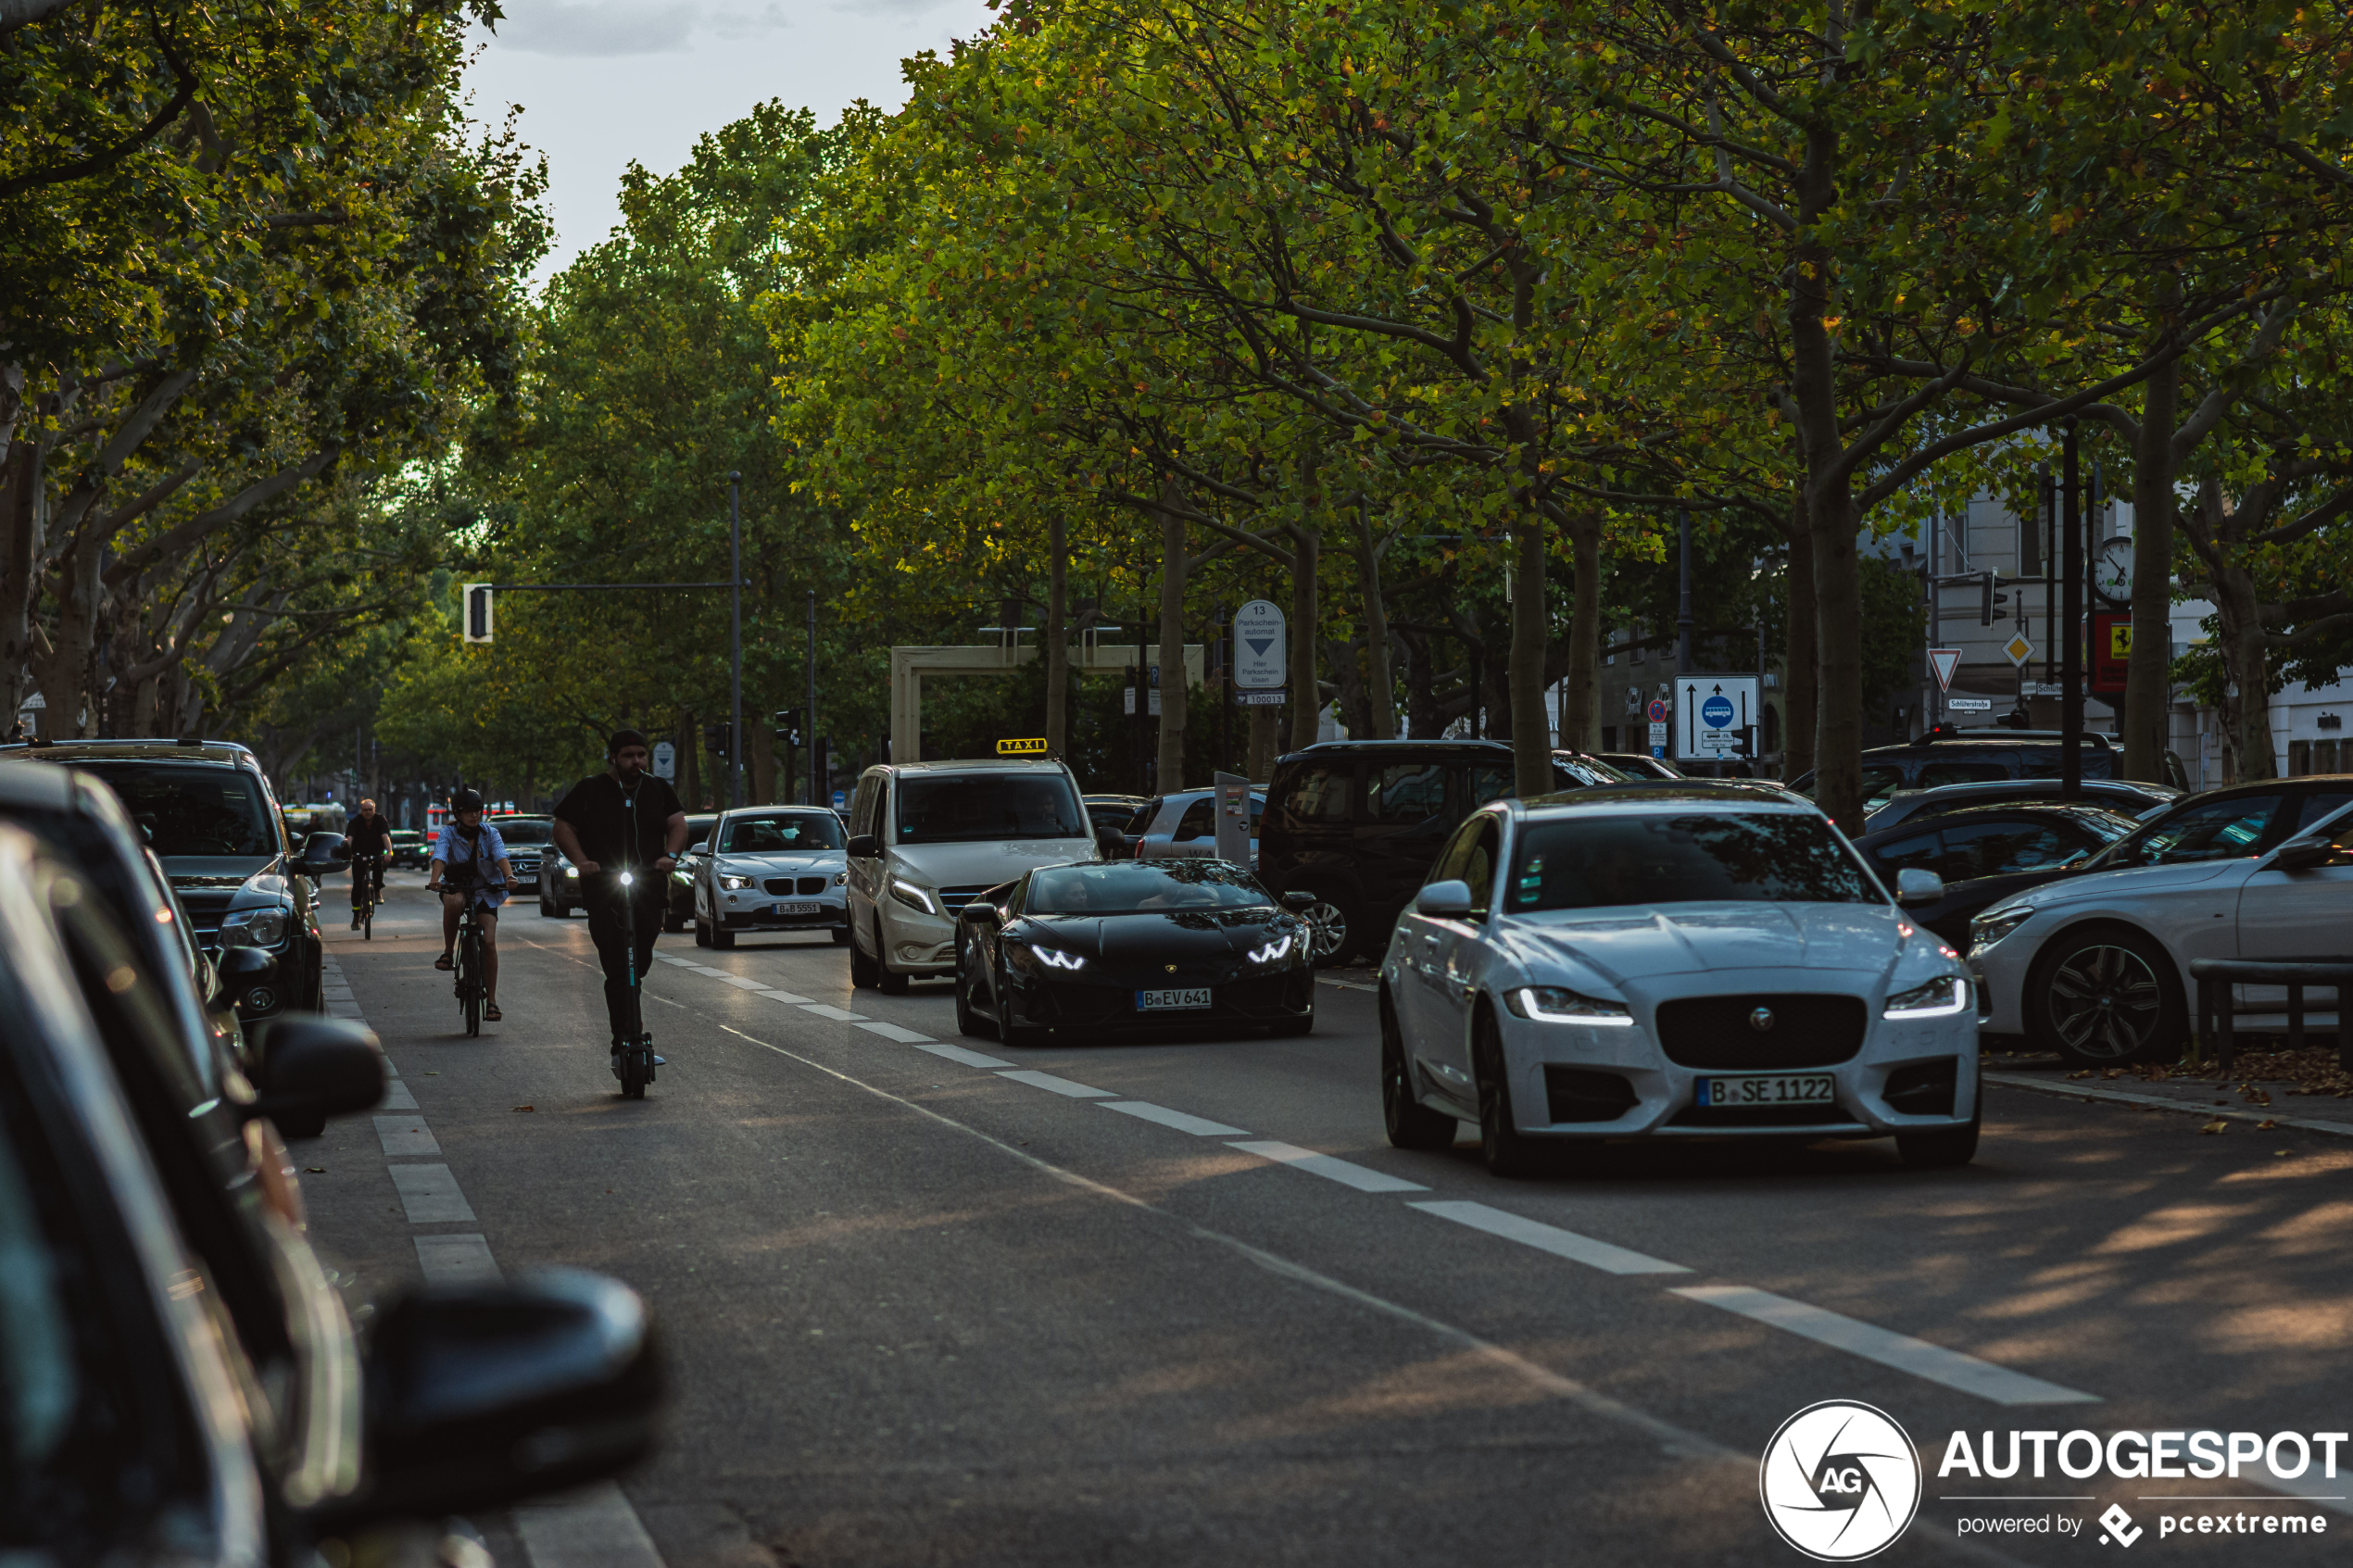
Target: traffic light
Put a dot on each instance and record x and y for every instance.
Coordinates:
(719, 739)
(788, 726)
(477, 612)
(1988, 602)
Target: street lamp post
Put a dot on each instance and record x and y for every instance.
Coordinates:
(2070, 627)
(736, 640)
(817, 765)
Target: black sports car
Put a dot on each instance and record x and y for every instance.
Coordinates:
(1133, 944)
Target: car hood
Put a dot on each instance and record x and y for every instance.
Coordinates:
(2129, 882)
(222, 871)
(985, 865)
(1153, 934)
(1625, 945)
(827, 859)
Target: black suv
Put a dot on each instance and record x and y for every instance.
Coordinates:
(1357, 823)
(209, 816)
(1954, 756)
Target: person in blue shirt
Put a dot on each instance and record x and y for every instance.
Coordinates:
(471, 858)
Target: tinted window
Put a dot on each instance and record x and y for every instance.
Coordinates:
(1974, 850)
(1318, 794)
(1142, 887)
(193, 810)
(1607, 862)
(1199, 820)
(1478, 869)
(1937, 773)
(1405, 794)
(1490, 784)
(981, 807)
(2212, 830)
(2320, 804)
(525, 831)
(1571, 772)
(1920, 851)
(786, 832)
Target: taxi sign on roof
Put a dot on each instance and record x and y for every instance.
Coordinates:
(1021, 748)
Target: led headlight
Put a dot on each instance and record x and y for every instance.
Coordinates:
(840, 877)
(1054, 958)
(1941, 997)
(914, 897)
(1035, 961)
(1273, 952)
(1557, 1004)
(254, 928)
(733, 882)
(1990, 928)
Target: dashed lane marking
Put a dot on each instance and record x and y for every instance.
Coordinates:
(1038, 1080)
(457, 1260)
(1363, 1178)
(1606, 1256)
(430, 1194)
(1903, 1352)
(1199, 1126)
(840, 1015)
(893, 1032)
(593, 1528)
(958, 1053)
(405, 1137)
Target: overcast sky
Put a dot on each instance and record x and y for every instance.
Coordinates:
(604, 82)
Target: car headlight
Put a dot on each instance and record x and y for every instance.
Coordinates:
(730, 882)
(1273, 952)
(1941, 997)
(840, 877)
(254, 928)
(572, 872)
(914, 897)
(1990, 928)
(1035, 961)
(1557, 1004)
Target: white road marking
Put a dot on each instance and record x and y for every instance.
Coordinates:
(594, 1528)
(1037, 1080)
(1604, 1256)
(396, 1096)
(405, 1136)
(1199, 1126)
(788, 999)
(1903, 1352)
(837, 1014)
(742, 982)
(958, 1053)
(892, 1032)
(430, 1194)
(458, 1260)
(672, 958)
(1363, 1178)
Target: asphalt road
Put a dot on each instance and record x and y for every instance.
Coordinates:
(919, 1310)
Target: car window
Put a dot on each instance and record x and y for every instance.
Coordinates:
(786, 832)
(862, 806)
(1139, 820)
(1488, 782)
(1479, 867)
(1405, 794)
(1610, 863)
(1571, 771)
(2210, 830)
(2000, 848)
(1920, 851)
(1879, 784)
(2323, 804)
(1126, 887)
(525, 831)
(1316, 795)
(984, 807)
(192, 811)
(1447, 866)
(1199, 820)
(1936, 774)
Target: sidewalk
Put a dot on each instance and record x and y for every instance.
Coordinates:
(2266, 1088)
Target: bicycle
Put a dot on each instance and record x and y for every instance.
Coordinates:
(468, 964)
(368, 891)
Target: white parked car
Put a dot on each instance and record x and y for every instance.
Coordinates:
(1679, 958)
(926, 838)
(2096, 966)
(1184, 826)
(771, 868)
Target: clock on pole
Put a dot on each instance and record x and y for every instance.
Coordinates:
(2112, 571)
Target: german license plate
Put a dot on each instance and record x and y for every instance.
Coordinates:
(1189, 999)
(800, 909)
(1806, 1088)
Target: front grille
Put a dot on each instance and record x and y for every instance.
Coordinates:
(1578, 1094)
(1925, 1088)
(1809, 1030)
(1764, 1116)
(954, 900)
(806, 886)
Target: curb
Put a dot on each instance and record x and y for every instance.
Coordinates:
(2120, 1096)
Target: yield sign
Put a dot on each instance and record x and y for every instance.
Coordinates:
(1945, 661)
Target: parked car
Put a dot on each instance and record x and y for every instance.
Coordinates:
(1638, 765)
(1070, 951)
(531, 840)
(771, 868)
(1356, 824)
(2095, 967)
(1113, 811)
(926, 838)
(199, 1396)
(1668, 960)
(1985, 853)
(410, 850)
(206, 810)
(678, 910)
(1951, 757)
(2131, 797)
(1185, 825)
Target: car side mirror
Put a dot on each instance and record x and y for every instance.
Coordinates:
(864, 847)
(323, 852)
(979, 912)
(2305, 855)
(1449, 900)
(314, 1067)
(1111, 844)
(1299, 903)
(1915, 885)
(483, 1395)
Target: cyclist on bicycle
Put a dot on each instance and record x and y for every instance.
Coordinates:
(371, 841)
(471, 858)
(593, 830)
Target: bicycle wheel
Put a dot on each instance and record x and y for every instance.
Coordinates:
(368, 923)
(470, 982)
(632, 1073)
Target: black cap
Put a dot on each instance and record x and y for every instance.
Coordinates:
(466, 800)
(623, 738)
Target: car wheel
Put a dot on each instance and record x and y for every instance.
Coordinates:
(1508, 1151)
(558, 910)
(861, 967)
(1008, 1032)
(292, 1128)
(1331, 927)
(1940, 1149)
(721, 938)
(702, 935)
(2105, 998)
(968, 1021)
(1411, 1123)
(888, 981)
(841, 935)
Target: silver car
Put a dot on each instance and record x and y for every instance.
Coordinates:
(1184, 826)
(772, 868)
(1672, 960)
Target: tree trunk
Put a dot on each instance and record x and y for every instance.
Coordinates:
(1380, 686)
(19, 548)
(1264, 722)
(1838, 683)
(66, 673)
(1306, 698)
(762, 746)
(2149, 675)
(2246, 664)
(1170, 772)
(1531, 734)
(1580, 687)
(1799, 670)
(1057, 636)
(690, 762)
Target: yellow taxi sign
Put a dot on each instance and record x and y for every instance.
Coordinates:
(1021, 747)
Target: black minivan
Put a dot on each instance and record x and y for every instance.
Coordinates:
(1358, 823)
(1952, 756)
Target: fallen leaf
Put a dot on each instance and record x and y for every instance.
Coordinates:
(2279, 1154)
(2265, 1125)
(2086, 1072)
(2217, 1125)
(433, 1074)
(315, 1170)
(526, 1108)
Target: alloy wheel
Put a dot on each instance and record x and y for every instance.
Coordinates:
(1328, 925)
(2105, 1001)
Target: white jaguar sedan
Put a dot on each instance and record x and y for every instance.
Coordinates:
(1678, 960)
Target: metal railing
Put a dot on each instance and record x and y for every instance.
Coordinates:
(2218, 980)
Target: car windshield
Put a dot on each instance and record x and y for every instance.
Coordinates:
(786, 832)
(1142, 887)
(192, 811)
(526, 829)
(1609, 862)
(983, 808)
(2228, 829)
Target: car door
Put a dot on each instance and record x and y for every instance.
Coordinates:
(1415, 944)
(1458, 958)
(1402, 821)
(865, 874)
(2306, 914)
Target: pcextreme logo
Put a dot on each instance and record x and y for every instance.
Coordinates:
(1840, 1481)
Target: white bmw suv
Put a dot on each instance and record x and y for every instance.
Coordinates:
(926, 838)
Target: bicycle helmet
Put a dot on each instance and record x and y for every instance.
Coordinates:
(466, 800)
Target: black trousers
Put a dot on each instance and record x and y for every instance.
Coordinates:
(371, 868)
(612, 950)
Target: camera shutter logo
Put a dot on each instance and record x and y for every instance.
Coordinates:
(1840, 1481)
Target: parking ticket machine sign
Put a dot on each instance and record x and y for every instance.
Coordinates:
(1715, 718)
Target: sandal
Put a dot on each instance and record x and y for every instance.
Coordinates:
(490, 1014)
(443, 963)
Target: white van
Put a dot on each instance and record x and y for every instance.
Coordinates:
(926, 838)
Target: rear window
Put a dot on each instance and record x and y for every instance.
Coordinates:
(983, 808)
(530, 831)
(192, 811)
(1611, 862)
(1128, 887)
